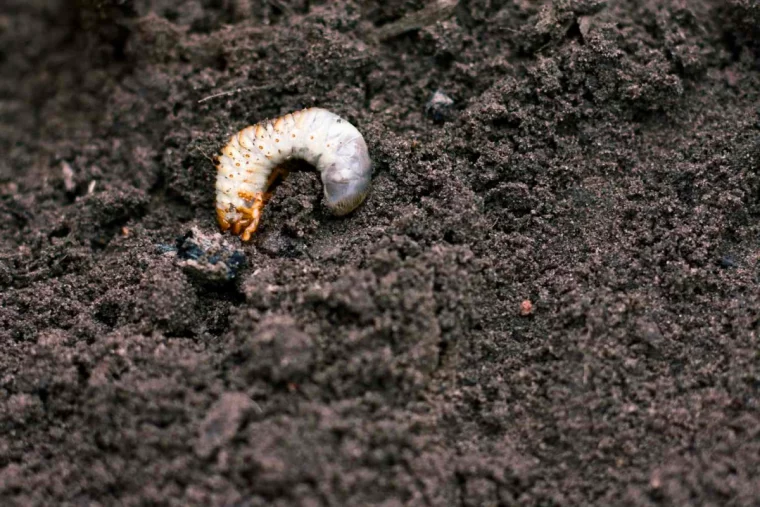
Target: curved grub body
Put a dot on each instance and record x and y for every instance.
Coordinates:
(247, 165)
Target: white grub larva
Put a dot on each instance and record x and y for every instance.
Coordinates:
(252, 159)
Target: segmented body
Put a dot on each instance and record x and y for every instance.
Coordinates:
(247, 165)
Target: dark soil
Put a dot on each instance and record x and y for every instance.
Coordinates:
(600, 159)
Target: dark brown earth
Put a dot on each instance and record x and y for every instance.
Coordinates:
(601, 159)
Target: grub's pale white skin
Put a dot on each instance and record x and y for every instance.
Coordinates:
(250, 162)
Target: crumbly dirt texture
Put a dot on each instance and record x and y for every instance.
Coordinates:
(599, 159)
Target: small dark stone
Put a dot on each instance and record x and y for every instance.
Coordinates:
(439, 106)
(209, 257)
(162, 249)
(728, 261)
(236, 260)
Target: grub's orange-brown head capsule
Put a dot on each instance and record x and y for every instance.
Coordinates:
(248, 164)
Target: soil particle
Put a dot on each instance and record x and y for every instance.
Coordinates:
(222, 422)
(598, 159)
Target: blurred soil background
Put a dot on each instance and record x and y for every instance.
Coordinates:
(598, 158)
